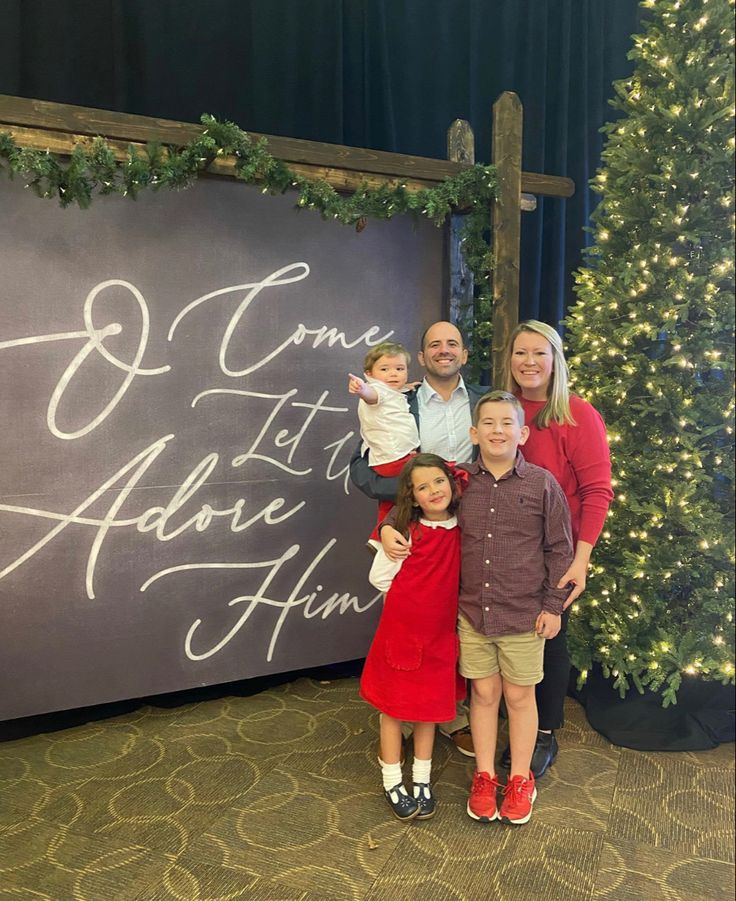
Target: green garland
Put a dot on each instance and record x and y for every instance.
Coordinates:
(92, 169)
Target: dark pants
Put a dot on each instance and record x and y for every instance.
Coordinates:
(551, 691)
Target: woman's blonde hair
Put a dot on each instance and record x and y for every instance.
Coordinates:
(557, 408)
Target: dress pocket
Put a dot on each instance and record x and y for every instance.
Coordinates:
(403, 653)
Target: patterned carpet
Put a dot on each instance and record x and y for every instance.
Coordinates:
(275, 797)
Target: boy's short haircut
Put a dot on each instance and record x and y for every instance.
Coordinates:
(385, 349)
(497, 397)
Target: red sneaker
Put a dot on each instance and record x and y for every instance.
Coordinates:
(518, 797)
(482, 801)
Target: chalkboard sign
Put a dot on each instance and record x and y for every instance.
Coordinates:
(175, 508)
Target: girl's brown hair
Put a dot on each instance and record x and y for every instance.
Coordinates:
(407, 511)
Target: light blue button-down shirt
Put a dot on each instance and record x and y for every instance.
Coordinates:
(444, 424)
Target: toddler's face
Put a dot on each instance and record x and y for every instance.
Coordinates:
(392, 371)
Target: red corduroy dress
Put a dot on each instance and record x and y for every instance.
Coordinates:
(411, 669)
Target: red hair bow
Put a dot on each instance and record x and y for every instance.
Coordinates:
(461, 477)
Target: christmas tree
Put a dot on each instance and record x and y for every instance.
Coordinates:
(651, 346)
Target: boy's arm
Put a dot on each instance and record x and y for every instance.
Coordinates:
(380, 488)
(383, 571)
(557, 546)
(359, 386)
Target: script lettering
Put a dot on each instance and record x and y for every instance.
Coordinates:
(260, 598)
(95, 342)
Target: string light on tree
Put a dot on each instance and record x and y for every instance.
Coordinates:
(650, 344)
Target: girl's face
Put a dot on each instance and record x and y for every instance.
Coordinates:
(432, 492)
(531, 365)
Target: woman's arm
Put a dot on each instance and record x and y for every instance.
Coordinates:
(577, 573)
(590, 459)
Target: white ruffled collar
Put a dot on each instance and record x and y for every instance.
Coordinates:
(443, 523)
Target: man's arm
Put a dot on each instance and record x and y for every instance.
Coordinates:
(380, 488)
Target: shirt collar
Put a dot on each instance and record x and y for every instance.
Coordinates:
(519, 468)
(442, 523)
(425, 391)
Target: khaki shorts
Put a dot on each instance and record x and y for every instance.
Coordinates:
(519, 658)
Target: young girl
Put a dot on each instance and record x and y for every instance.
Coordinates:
(410, 673)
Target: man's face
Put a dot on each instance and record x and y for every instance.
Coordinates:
(498, 433)
(443, 353)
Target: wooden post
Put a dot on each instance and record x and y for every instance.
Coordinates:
(506, 225)
(460, 149)
(461, 142)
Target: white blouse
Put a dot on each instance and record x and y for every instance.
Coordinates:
(384, 569)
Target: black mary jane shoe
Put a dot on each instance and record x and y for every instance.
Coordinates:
(403, 806)
(425, 799)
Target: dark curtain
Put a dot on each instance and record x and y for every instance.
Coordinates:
(385, 74)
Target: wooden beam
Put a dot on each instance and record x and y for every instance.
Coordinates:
(346, 180)
(547, 185)
(506, 224)
(461, 143)
(79, 121)
(460, 148)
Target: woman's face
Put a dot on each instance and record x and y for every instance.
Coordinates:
(531, 364)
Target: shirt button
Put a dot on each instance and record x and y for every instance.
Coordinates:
(488, 562)
(487, 609)
(487, 585)
(492, 510)
(489, 535)
(495, 486)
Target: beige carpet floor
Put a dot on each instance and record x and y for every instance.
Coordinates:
(275, 797)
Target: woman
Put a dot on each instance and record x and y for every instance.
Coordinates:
(568, 438)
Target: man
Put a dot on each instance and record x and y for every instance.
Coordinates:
(443, 406)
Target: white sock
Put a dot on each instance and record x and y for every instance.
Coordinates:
(420, 771)
(391, 774)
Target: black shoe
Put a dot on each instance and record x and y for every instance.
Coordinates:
(403, 807)
(425, 800)
(545, 752)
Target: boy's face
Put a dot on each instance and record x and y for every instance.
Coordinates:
(498, 433)
(392, 371)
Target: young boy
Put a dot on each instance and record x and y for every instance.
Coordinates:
(516, 545)
(387, 427)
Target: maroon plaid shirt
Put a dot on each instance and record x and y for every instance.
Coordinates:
(516, 546)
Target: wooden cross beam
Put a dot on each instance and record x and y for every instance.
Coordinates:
(58, 127)
(516, 190)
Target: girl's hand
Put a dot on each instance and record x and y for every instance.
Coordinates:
(395, 546)
(577, 574)
(547, 624)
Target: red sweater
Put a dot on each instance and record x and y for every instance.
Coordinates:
(578, 457)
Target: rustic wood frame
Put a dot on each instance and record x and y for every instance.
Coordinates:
(58, 127)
